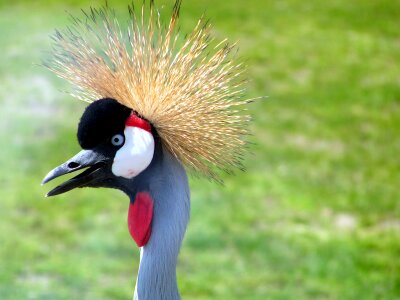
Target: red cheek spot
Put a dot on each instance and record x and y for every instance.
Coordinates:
(135, 121)
(140, 215)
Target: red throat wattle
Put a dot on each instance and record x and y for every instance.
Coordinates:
(140, 215)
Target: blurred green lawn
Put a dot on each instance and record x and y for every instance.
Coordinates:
(317, 214)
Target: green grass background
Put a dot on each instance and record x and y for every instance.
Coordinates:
(317, 214)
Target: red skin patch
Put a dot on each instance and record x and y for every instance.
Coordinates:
(140, 215)
(135, 121)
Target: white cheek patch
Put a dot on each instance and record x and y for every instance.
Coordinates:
(135, 155)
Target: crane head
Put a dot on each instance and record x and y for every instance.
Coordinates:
(117, 144)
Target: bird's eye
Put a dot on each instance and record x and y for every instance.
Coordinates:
(117, 140)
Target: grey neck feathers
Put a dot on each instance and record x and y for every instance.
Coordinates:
(167, 182)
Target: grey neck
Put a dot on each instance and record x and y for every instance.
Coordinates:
(168, 185)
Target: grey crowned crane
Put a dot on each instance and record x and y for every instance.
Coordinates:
(156, 110)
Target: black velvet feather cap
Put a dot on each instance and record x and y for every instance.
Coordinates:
(100, 121)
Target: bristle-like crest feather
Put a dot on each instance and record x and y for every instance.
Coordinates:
(192, 94)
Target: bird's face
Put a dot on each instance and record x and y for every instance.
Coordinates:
(116, 144)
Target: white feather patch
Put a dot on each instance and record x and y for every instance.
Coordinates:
(135, 155)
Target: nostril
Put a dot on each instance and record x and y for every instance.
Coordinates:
(73, 165)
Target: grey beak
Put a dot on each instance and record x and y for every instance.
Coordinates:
(93, 161)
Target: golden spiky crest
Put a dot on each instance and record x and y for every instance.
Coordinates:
(191, 94)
